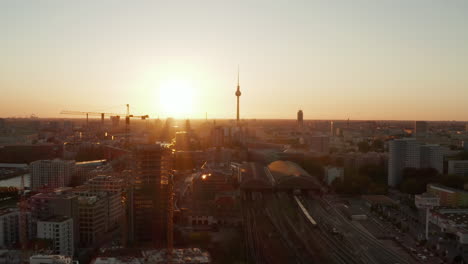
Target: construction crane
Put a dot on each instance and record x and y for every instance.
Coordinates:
(66, 112)
(102, 115)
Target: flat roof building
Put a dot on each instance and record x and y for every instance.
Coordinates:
(59, 229)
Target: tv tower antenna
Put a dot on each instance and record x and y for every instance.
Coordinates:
(238, 94)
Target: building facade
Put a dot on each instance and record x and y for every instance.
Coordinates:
(51, 173)
(403, 153)
(59, 202)
(152, 166)
(458, 167)
(432, 157)
(10, 227)
(59, 229)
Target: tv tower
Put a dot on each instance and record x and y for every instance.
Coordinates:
(238, 94)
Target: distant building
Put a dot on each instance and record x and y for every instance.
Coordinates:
(182, 140)
(458, 167)
(404, 153)
(217, 137)
(50, 259)
(332, 173)
(421, 128)
(318, 144)
(51, 173)
(300, 118)
(59, 229)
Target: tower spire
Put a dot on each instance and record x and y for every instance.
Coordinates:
(238, 94)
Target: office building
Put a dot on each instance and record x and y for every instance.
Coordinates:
(152, 165)
(458, 167)
(51, 173)
(432, 157)
(59, 229)
(59, 202)
(93, 219)
(403, 153)
(99, 212)
(421, 128)
(9, 227)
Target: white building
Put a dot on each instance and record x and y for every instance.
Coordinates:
(50, 259)
(51, 173)
(404, 153)
(431, 157)
(332, 173)
(458, 167)
(60, 230)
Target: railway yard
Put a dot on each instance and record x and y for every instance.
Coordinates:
(281, 227)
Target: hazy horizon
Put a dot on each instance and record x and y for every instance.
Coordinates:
(363, 60)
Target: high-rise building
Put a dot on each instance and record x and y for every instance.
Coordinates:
(182, 140)
(300, 118)
(59, 229)
(318, 144)
(100, 210)
(93, 219)
(152, 165)
(421, 128)
(51, 173)
(9, 227)
(404, 153)
(46, 205)
(431, 157)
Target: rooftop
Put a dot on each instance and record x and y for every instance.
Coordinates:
(288, 174)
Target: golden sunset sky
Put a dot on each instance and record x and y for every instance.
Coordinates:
(363, 59)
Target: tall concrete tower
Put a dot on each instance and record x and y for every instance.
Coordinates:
(238, 94)
(300, 118)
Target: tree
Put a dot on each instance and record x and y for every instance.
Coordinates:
(377, 145)
(363, 146)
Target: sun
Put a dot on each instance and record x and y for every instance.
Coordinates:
(176, 98)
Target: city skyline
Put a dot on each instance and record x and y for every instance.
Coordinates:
(395, 60)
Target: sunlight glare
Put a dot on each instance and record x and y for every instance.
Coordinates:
(176, 98)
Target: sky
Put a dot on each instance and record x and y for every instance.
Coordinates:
(360, 59)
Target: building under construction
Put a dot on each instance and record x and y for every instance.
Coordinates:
(149, 195)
